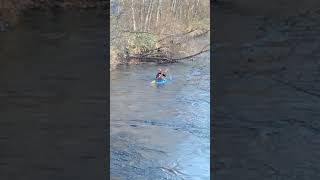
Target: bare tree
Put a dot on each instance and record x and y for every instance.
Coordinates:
(148, 15)
(160, 28)
(133, 19)
(158, 11)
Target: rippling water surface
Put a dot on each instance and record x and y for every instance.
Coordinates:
(161, 132)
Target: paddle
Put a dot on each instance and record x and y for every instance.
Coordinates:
(167, 70)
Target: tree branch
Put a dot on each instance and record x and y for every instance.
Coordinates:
(166, 59)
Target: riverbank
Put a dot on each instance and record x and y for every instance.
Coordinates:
(156, 31)
(266, 74)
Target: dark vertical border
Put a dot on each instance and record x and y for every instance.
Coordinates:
(213, 154)
(65, 142)
(107, 48)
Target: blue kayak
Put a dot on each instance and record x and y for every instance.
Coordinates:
(162, 81)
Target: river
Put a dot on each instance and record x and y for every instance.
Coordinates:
(161, 132)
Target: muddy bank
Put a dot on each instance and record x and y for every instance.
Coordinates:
(266, 72)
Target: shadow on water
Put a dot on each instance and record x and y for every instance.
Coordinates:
(161, 132)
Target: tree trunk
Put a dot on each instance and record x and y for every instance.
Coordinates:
(158, 12)
(196, 9)
(142, 15)
(133, 19)
(174, 4)
(147, 16)
(150, 17)
(187, 10)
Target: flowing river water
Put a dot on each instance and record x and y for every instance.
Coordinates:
(161, 132)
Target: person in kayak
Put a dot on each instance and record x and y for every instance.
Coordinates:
(160, 75)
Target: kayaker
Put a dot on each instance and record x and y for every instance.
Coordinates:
(160, 75)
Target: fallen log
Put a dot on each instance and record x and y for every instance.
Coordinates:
(153, 58)
(191, 56)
